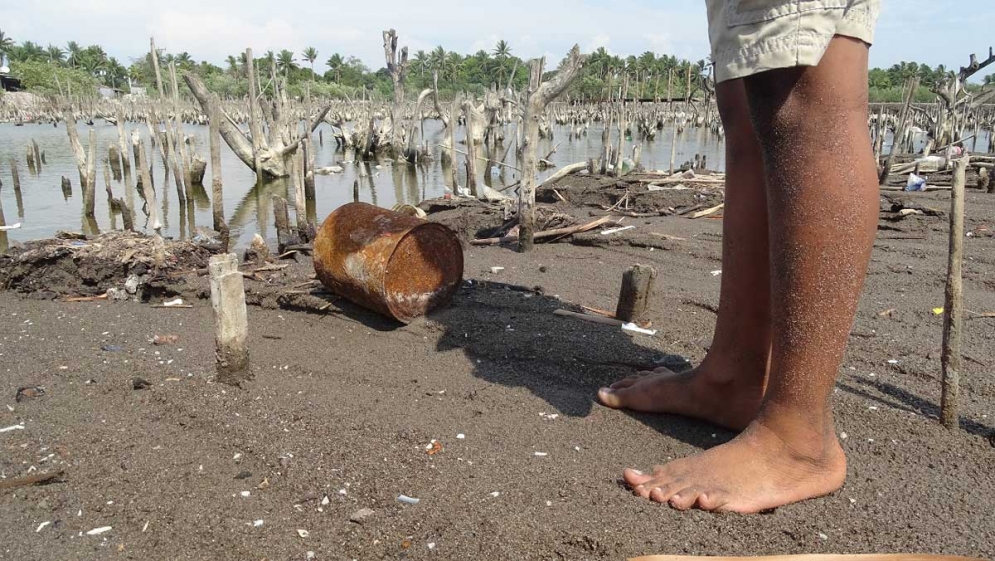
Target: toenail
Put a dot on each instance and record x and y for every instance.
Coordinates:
(637, 472)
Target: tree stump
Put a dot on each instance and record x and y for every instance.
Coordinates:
(230, 319)
(634, 296)
(953, 303)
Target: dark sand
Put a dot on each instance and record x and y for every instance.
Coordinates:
(344, 404)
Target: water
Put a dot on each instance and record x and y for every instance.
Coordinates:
(248, 208)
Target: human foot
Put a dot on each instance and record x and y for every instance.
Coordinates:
(698, 393)
(758, 470)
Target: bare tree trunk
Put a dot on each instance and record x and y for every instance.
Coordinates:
(912, 86)
(255, 119)
(540, 95)
(217, 196)
(155, 64)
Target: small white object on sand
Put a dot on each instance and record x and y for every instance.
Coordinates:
(98, 531)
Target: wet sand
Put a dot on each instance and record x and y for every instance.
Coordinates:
(343, 405)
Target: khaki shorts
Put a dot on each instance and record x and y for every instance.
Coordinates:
(752, 36)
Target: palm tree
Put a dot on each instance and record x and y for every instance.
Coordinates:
(502, 53)
(233, 64)
(6, 43)
(310, 54)
(453, 66)
(335, 64)
(285, 62)
(55, 54)
(420, 62)
(73, 51)
(437, 59)
(183, 60)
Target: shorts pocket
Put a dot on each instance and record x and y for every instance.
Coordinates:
(748, 12)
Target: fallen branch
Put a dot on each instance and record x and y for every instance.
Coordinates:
(589, 318)
(549, 233)
(29, 480)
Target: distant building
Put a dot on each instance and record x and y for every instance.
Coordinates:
(8, 83)
(107, 92)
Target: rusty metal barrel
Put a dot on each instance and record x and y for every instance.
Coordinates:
(397, 265)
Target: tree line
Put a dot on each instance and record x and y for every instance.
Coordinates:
(55, 69)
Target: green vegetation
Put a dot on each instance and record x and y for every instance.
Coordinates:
(648, 74)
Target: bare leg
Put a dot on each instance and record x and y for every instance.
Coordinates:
(726, 389)
(822, 200)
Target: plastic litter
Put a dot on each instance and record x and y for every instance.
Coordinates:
(408, 500)
(98, 531)
(915, 183)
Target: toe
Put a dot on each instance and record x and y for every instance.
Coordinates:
(635, 478)
(685, 498)
(662, 493)
(625, 382)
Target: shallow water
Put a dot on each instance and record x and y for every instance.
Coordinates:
(43, 209)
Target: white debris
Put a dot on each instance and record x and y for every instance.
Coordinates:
(146, 526)
(496, 494)
(310, 555)
(342, 491)
(257, 523)
(431, 546)
(407, 499)
(171, 303)
(496, 270)
(549, 503)
(98, 531)
(237, 456)
(12, 427)
(42, 525)
(460, 436)
(611, 231)
(636, 329)
(325, 501)
(303, 533)
(844, 436)
(716, 272)
(892, 361)
(541, 454)
(245, 493)
(823, 536)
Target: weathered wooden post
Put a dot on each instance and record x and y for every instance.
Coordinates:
(634, 296)
(89, 186)
(151, 207)
(540, 94)
(14, 175)
(471, 148)
(230, 319)
(953, 303)
(285, 235)
(217, 196)
(67, 187)
(38, 158)
(355, 191)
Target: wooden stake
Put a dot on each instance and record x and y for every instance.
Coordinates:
(634, 296)
(953, 304)
(230, 319)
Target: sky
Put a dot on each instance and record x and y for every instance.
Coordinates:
(930, 31)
